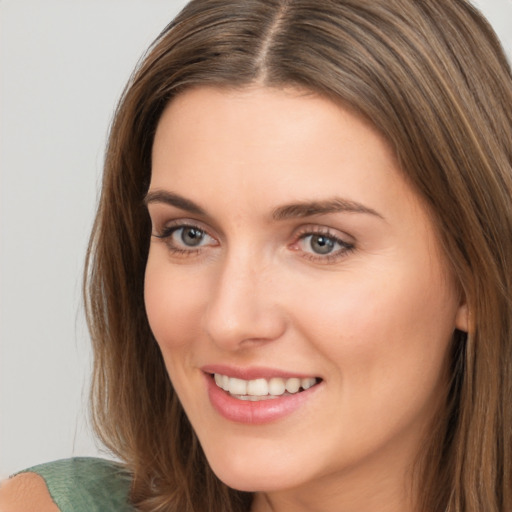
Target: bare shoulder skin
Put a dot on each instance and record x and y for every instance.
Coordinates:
(26, 493)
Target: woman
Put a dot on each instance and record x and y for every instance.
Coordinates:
(299, 280)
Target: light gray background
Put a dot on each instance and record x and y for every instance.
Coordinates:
(63, 65)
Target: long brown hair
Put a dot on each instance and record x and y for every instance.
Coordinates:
(432, 77)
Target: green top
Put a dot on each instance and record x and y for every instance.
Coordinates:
(86, 484)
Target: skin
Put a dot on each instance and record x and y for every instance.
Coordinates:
(373, 319)
(25, 493)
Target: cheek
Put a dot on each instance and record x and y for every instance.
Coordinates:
(386, 337)
(173, 304)
(361, 311)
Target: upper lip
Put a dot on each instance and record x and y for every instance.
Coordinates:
(253, 372)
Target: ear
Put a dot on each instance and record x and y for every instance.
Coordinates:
(462, 321)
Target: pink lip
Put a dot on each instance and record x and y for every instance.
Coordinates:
(254, 372)
(254, 413)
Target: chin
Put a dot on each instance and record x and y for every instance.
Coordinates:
(249, 480)
(246, 472)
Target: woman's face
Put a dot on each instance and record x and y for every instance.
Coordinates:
(288, 252)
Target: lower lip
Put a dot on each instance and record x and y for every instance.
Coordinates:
(258, 412)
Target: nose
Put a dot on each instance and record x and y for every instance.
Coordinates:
(242, 308)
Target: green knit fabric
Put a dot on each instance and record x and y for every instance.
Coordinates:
(86, 484)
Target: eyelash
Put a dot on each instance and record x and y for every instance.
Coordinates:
(167, 233)
(344, 247)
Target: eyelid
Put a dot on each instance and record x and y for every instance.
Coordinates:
(346, 242)
(317, 229)
(159, 228)
(162, 214)
(166, 232)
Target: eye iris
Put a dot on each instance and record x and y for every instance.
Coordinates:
(192, 236)
(322, 244)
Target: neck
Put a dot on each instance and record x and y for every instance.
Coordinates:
(384, 495)
(381, 484)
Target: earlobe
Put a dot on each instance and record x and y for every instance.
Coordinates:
(462, 322)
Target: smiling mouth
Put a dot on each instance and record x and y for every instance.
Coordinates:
(263, 389)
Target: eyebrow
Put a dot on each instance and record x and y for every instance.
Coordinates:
(310, 208)
(162, 196)
(293, 210)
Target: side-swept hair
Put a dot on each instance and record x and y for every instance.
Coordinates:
(432, 78)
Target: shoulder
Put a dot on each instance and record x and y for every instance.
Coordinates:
(78, 484)
(24, 493)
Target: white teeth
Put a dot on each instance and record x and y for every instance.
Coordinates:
(276, 386)
(237, 386)
(250, 398)
(262, 389)
(308, 383)
(258, 387)
(292, 385)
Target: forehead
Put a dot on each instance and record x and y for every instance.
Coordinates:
(241, 156)
(297, 142)
(262, 115)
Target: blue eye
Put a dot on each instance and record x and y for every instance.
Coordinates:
(189, 236)
(321, 244)
(182, 239)
(323, 247)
